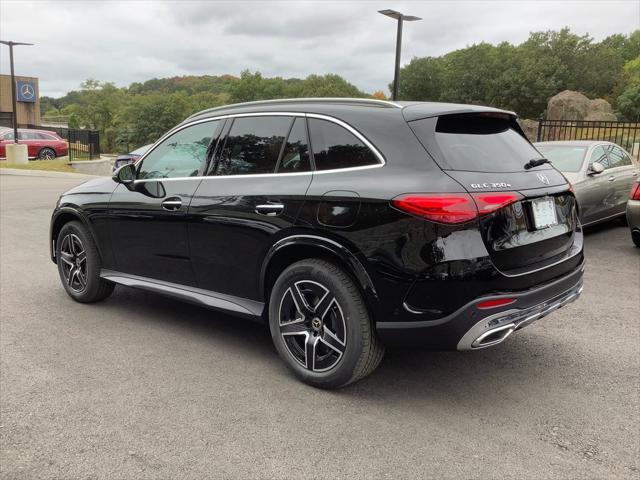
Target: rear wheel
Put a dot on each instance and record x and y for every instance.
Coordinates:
(320, 325)
(635, 236)
(79, 264)
(47, 154)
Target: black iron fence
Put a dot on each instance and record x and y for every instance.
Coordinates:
(625, 134)
(83, 144)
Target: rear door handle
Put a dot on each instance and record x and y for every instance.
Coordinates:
(172, 204)
(270, 209)
(634, 174)
(611, 178)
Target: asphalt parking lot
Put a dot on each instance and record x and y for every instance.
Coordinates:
(141, 386)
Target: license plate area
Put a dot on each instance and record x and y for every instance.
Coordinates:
(543, 212)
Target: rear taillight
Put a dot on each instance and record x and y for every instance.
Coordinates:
(490, 202)
(454, 207)
(443, 208)
(635, 192)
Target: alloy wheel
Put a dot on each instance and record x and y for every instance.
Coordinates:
(47, 154)
(74, 262)
(312, 326)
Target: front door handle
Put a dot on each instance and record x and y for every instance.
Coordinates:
(172, 204)
(611, 178)
(634, 174)
(270, 209)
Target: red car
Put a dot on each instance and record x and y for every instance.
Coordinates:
(41, 144)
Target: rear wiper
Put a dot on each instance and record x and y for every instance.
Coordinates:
(535, 162)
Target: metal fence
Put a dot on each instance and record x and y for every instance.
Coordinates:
(625, 134)
(83, 144)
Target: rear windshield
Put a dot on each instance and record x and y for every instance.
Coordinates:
(564, 158)
(476, 142)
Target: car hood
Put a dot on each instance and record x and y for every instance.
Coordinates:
(95, 185)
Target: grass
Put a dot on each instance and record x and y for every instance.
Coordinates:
(57, 165)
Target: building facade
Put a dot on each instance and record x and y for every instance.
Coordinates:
(28, 104)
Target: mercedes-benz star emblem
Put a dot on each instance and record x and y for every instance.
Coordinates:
(543, 178)
(27, 91)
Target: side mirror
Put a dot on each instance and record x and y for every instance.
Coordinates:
(595, 168)
(126, 174)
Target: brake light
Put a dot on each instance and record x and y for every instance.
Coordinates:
(498, 302)
(635, 192)
(454, 207)
(490, 202)
(439, 207)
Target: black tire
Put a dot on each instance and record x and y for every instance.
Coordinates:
(635, 236)
(47, 154)
(79, 264)
(333, 348)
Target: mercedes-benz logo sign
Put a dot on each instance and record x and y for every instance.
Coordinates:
(27, 91)
(543, 178)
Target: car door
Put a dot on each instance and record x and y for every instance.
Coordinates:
(596, 195)
(622, 173)
(29, 139)
(148, 219)
(252, 196)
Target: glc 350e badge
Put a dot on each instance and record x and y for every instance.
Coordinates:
(491, 185)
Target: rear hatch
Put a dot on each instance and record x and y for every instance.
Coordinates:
(527, 212)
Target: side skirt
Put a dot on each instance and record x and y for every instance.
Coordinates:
(207, 298)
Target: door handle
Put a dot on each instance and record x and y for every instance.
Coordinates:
(611, 178)
(270, 209)
(634, 174)
(172, 204)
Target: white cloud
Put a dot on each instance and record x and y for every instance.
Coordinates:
(127, 41)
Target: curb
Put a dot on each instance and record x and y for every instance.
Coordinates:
(43, 173)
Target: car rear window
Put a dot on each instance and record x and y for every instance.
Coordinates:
(475, 142)
(565, 158)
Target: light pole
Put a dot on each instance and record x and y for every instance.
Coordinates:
(14, 95)
(400, 17)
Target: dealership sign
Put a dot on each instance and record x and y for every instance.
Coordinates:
(26, 91)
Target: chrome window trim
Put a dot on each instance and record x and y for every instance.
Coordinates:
(328, 118)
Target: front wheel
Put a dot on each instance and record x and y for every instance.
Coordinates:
(79, 264)
(320, 325)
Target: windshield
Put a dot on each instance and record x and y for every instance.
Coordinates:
(477, 142)
(564, 157)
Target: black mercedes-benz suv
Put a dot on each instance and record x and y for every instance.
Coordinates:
(346, 224)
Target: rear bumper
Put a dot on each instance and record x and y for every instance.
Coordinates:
(470, 328)
(633, 214)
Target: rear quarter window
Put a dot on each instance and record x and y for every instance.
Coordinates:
(475, 142)
(335, 147)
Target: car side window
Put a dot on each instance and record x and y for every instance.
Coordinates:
(7, 136)
(333, 146)
(295, 155)
(252, 146)
(180, 155)
(617, 157)
(26, 136)
(44, 136)
(599, 155)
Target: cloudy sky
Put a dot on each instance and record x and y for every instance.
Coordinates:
(126, 41)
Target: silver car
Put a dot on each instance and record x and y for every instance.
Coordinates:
(601, 174)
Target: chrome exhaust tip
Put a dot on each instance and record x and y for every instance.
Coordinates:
(494, 336)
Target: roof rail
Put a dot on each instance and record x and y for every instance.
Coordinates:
(356, 101)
